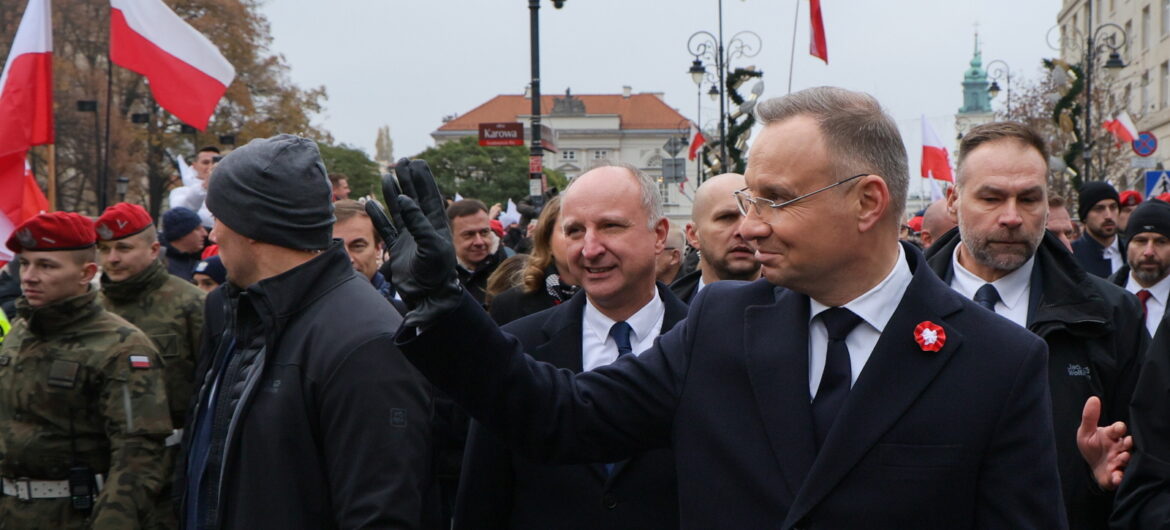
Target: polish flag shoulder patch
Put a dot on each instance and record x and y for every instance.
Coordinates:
(139, 361)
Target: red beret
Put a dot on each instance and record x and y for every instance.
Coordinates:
(53, 231)
(497, 227)
(1130, 198)
(122, 220)
(1165, 197)
(915, 223)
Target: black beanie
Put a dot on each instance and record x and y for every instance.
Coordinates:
(1150, 216)
(275, 190)
(178, 222)
(1092, 193)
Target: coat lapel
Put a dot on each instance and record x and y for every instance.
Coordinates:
(562, 331)
(897, 372)
(776, 351)
(674, 311)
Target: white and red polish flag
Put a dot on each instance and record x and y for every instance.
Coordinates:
(695, 141)
(936, 164)
(26, 117)
(187, 74)
(1122, 127)
(816, 41)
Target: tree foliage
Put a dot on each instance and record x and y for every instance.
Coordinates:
(490, 174)
(260, 102)
(355, 164)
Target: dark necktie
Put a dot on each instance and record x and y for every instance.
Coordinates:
(1144, 296)
(621, 335)
(987, 296)
(835, 380)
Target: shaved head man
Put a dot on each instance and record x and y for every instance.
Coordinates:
(724, 254)
(935, 222)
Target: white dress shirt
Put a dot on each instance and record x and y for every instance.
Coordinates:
(1156, 305)
(875, 308)
(1114, 255)
(599, 349)
(1013, 288)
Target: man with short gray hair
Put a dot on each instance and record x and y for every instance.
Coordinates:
(815, 398)
(1003, 258)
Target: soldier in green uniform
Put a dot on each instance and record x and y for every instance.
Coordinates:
(137, 287)
(83, 407)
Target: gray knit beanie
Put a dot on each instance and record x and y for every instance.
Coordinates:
(275, 190)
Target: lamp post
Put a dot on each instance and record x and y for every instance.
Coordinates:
(1097, 41)
(536, 151)
(996, 70)
(699, 75)
(705, 45)
(121, 186)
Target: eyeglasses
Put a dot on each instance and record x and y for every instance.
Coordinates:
(758, 204)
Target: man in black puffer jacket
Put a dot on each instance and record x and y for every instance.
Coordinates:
(307, 416)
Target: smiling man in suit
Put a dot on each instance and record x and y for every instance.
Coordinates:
(612, 219)
(850, 388)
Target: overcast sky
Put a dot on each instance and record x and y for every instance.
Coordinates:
(408, 63)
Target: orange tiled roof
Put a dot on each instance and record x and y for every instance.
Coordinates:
(639, 111)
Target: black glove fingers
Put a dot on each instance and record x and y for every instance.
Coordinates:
(382, 223)
(407, 178)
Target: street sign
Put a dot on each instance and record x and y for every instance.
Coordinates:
(535, 164)
(674, 145)
(674, 170)
(500, 134)
(1145, 144)
(1141, 162)
(1157, 183)
(548, 137)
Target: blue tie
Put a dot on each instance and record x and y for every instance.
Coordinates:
(621, 335)
(987, 296)
(835, 380)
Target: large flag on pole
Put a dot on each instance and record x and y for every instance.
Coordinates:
(26, 85)
(936, 164)
(187, 74)
(816, 41)
(26, 117)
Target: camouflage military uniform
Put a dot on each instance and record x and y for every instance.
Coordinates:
(73, 372)
(170, 311)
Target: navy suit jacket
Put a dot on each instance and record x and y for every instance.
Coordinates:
(1089, 254)
(501, 490)
(958, 438)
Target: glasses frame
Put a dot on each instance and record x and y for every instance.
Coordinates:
(741, 196)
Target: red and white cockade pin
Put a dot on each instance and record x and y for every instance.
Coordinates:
(930, 336)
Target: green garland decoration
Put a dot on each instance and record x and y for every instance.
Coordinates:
(1070, 102)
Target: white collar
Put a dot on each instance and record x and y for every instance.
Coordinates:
(642, 322)
(1013, 287)
(877, 305)
(1159, 291)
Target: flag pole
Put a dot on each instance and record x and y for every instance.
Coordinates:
(792, 50)
(52, 177)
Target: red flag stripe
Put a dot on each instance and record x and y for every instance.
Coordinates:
(26, 103)
(817, 45)
(184, 90)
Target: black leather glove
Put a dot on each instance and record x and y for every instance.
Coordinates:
(422, 258)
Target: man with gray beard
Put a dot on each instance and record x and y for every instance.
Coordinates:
(1002, 258)
(1148, 258)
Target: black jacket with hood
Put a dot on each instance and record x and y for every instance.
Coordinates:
(1096, 340)
(320, 421)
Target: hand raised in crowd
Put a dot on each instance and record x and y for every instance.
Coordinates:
(1106, 449)
(422, 258)
(495, 210)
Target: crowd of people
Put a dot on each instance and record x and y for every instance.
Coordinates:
(271, 353)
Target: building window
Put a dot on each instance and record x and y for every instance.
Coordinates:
(568, 154)
(600, 154)
(1165, 88)
(1146, 28)
(664, 190)
(1128, 31)
(1165, 17)
(1145, 91)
